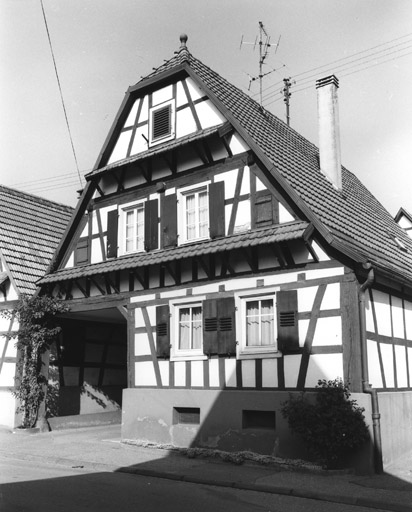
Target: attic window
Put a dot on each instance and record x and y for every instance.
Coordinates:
(400, 244)
(162, 123)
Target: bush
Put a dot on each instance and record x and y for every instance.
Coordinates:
(331, 426)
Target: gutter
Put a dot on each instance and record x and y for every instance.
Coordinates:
(366, 386)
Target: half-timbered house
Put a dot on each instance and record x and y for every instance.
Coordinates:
(30, 230)
(237, 262)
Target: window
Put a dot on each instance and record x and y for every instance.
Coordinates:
(133, 228)
(162, 123)
(194, 214)
(187, 329)
(257, 325)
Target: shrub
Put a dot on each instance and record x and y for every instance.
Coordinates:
(330, 426)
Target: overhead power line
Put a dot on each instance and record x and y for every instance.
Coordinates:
(61, 93)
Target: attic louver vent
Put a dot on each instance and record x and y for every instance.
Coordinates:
(162, 125)
(161, 329)
(210, 324)
(225, 323)
(287, 318)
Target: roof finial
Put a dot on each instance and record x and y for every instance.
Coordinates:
(183, 41)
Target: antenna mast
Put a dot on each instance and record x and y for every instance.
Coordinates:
(264, 45)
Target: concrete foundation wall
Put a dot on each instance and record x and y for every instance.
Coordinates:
(148, 416)
(396, 424)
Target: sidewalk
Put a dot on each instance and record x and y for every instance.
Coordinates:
(99, 449)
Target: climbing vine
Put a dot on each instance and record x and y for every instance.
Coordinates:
(38, 329)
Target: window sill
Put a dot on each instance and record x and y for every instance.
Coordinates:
(188, 357)
(260, 355)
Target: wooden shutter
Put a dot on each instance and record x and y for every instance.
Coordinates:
(169, 220)
(163, 331)
(287, 315)
(217, 209)
(81, 254)
(266, 209)
(151, 227)
(112, 232)
(219, 334)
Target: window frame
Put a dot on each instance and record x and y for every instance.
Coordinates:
(153, 141)
(182, 194)
(255, 351)
(124, 209)
(176, 353)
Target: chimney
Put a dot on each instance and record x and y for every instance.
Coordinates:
(329, 136)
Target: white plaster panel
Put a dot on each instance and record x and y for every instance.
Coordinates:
(70, 261)
(370, 324)
(331, 299)
(185, 122)
(7, 409)
(237, 145)
(208, 114)
(243, 220)
(85, 231)
(197, 373)
(375, 376)
(151, 311)
(397, 318)
(401, 369)
(172, 294)
(260, 185)
(96, 253)
(7, 373)
(383, 314)
(5, 323)
(323, 366)
(144, 374)
(11, 350)
(328, 331)
(143, 298)
(120, 150)
(303, 330)
(249, 373)
(408, 319)
(245, 187)
(144, 113)
(291, 368)
(410, 363)
(230, 372)
(162, 95)
(269, 373)
(320, 253)
(207, 288)
(180, 373)
(164, 372)
(324, 272)
(139, 320)
(284, 215)
(306, 298)
(139, 142)
(214, 373)
(194, 90)
(230, 178)
(132, 114)
(141, 344)
(387, 358)
(181, 98)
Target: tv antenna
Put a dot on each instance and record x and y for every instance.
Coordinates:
(264, 45)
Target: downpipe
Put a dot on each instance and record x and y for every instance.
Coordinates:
(366, 386)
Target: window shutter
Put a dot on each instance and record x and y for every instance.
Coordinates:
(81, 254)
(163, 331)
(151, 229)
(161, 122)
(217, 209)
(287, 313)
(210, 325)
(169, 220)
(112, 231)
(219, 326)
(265, 209)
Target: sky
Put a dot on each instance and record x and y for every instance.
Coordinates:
(101, 47)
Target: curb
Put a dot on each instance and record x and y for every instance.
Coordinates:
(286, 491)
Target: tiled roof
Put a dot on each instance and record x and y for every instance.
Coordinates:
(354, 217)
(30, 229)
(277, 234)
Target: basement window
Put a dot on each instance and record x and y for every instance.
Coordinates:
(162, 123)
(259, 420)
(186, 416)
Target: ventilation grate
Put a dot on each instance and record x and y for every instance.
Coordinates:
(287, 318)
(162, 125)
(210, 324)
(225, 323)
(161, 329)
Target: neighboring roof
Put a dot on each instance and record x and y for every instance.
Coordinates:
(273, 234)
(358, 224)
(30, 229)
